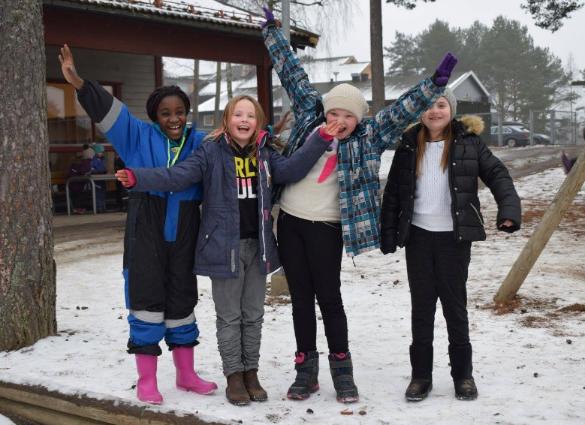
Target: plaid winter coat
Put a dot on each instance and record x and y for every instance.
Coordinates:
(358, 156)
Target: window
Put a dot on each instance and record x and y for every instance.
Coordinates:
(67, 121)
(69, 128)
(208, 120)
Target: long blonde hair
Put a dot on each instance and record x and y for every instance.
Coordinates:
(424, 136)
(261, 122)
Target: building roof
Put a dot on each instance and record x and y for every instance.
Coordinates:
(469, 74)
(394, 88)
(200, 13)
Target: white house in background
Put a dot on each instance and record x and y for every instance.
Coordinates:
(325, 73)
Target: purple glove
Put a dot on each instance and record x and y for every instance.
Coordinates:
(269, 17)
(443, 71)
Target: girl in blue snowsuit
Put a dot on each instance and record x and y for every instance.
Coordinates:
(161, 228)
(236, 247)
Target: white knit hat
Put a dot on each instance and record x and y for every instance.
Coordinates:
(348, 97)
(450, 96)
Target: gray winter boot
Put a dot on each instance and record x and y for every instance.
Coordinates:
(341, 368)
(306, 382)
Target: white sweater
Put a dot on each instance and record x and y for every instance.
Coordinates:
(432, 198)
(310, 200)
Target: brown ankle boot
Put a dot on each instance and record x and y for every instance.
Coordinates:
(254, 388)
(236, 392)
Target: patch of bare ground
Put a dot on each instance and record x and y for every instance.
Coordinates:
(540, 313)
(573, 220)
(522, 304)
(573, 308)
(277, 300)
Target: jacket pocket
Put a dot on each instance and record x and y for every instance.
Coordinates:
(211, 245)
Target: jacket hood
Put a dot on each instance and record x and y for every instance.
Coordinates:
(467, 124)
(473, 124)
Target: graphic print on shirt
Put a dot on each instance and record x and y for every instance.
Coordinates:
(246, 177)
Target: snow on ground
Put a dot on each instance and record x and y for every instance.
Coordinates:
(528, 363)
(5, 421)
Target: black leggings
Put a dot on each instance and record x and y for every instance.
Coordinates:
(310, 252)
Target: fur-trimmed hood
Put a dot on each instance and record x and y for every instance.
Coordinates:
(473, 124)
(464, 125)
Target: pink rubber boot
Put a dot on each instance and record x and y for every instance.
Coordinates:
(146, 387)
(187, 378)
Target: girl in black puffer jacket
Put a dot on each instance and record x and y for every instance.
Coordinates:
(431, 207)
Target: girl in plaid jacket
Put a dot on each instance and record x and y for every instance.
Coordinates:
(336, 204)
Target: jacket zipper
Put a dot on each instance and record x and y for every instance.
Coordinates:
(453, 194)
(477, 213)
(262, 205)
(412, 192)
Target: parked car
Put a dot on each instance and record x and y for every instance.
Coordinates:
(513, 135)
(541, 139)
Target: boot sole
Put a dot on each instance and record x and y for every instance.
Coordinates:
(260, 399)
(347, 400)
(237, 402)
(414, 399)
(156, 402)
(305, 396)
(189, 390)
(466, 398)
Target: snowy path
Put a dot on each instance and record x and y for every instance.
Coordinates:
(529, 364)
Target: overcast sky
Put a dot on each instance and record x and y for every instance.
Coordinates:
(458, 13)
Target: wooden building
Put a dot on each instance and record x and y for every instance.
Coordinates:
(121, 44)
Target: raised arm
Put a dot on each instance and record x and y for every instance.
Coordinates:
(111, 116)
(390, 122)
(303, 96)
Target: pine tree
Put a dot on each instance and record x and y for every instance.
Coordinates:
(27, 269)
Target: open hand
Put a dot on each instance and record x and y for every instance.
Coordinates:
(443, 71)
(68, 67)
(332, 128)
(506, 223)
(126, 177)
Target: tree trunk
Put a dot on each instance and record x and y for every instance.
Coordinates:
(217, 114)
(195, 94)
(27, 269)
(541, 235)
(228, 80)
(377, 55)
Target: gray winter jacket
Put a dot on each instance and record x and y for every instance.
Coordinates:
(217, 252)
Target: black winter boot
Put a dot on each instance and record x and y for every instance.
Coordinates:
(418, 389)
(306, 382)
(465, 389)
(341, 368)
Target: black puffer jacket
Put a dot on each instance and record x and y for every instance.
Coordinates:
(469, 158)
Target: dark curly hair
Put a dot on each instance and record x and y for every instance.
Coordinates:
(159, 94)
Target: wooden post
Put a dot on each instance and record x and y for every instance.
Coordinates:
(278, 284)
(543, 232)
